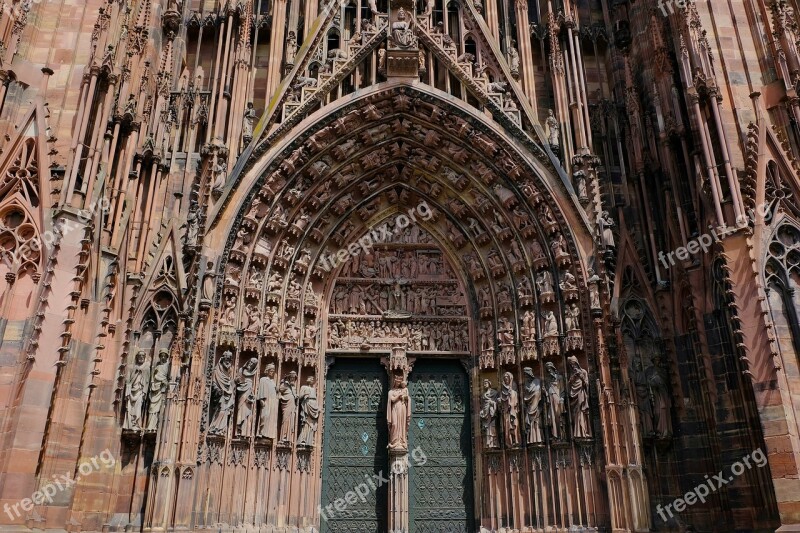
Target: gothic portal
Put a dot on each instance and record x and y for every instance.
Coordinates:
(431, 266)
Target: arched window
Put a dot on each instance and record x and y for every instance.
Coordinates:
(782, 284)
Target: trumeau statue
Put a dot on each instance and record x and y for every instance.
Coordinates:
(555, 398)
(509, 404)
(287, 398)
(245, 399)
(532, 397)
(268, 403)
(159, 386)
(137, 382)
(398, 414)
(309, 412)
(488, 416)
(222, 395)
(578, 398)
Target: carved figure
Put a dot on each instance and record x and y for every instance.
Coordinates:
(544, 282)
(513, 59)
(219, 171)
(222, 391)
(532, 397)
(550, 324)
(208, 282)
(568, 281)
(553, 130)
(158, 389)
(594, 290)
(192, 225)
(245, 398)
(604, 229)
(268, 402)
(488, 416)
(137, 382)
(578, 398)
(572, 318)
(291, 47)
(287, 399)
(402, 35)
(247, 122)
(309, 412)
(555, 398)
(398, 414)
(509, 402)
(662, 405)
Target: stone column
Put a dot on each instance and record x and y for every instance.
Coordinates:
(398, 491)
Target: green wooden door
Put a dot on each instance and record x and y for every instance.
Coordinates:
(354, 447)
(441, 498)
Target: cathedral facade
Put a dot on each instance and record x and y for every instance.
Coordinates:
(399, 266)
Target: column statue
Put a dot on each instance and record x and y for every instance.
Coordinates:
(136, 383)
(578, 398)
(159, 385)
(398, 414)
(222, 395)
(268, 402)
(309, 412)
(509, 402)
(245, 398)
(532, 396)
(555, 398)
(488, 416)
(287, 399)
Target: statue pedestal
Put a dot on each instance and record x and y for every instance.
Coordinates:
(398, 491)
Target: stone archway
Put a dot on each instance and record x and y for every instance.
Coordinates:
(501, 228)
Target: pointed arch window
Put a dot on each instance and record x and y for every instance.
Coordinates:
(782, 283)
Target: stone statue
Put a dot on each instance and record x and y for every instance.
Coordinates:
(572, 318)
(532, 397)
(544, 282)
(402, 35)
(309, 412)
(287, 399)
(578, 398)
(553, 130)
(219, 171)
(555, 398)
(192, 225)
(222, 390)
(137, 382)
(291, 47)
(398, 414)
(644, 403)
(247, 122)
(208, 281)
(550, 324)
(604, 231)
(488, 416)
(159, 386)
(509, 402)
(513, 59)
(268, 403)
(662, 405)
(594, 290)
(245, 398)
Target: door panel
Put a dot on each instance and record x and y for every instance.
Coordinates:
(354, 445)
(441, 499)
